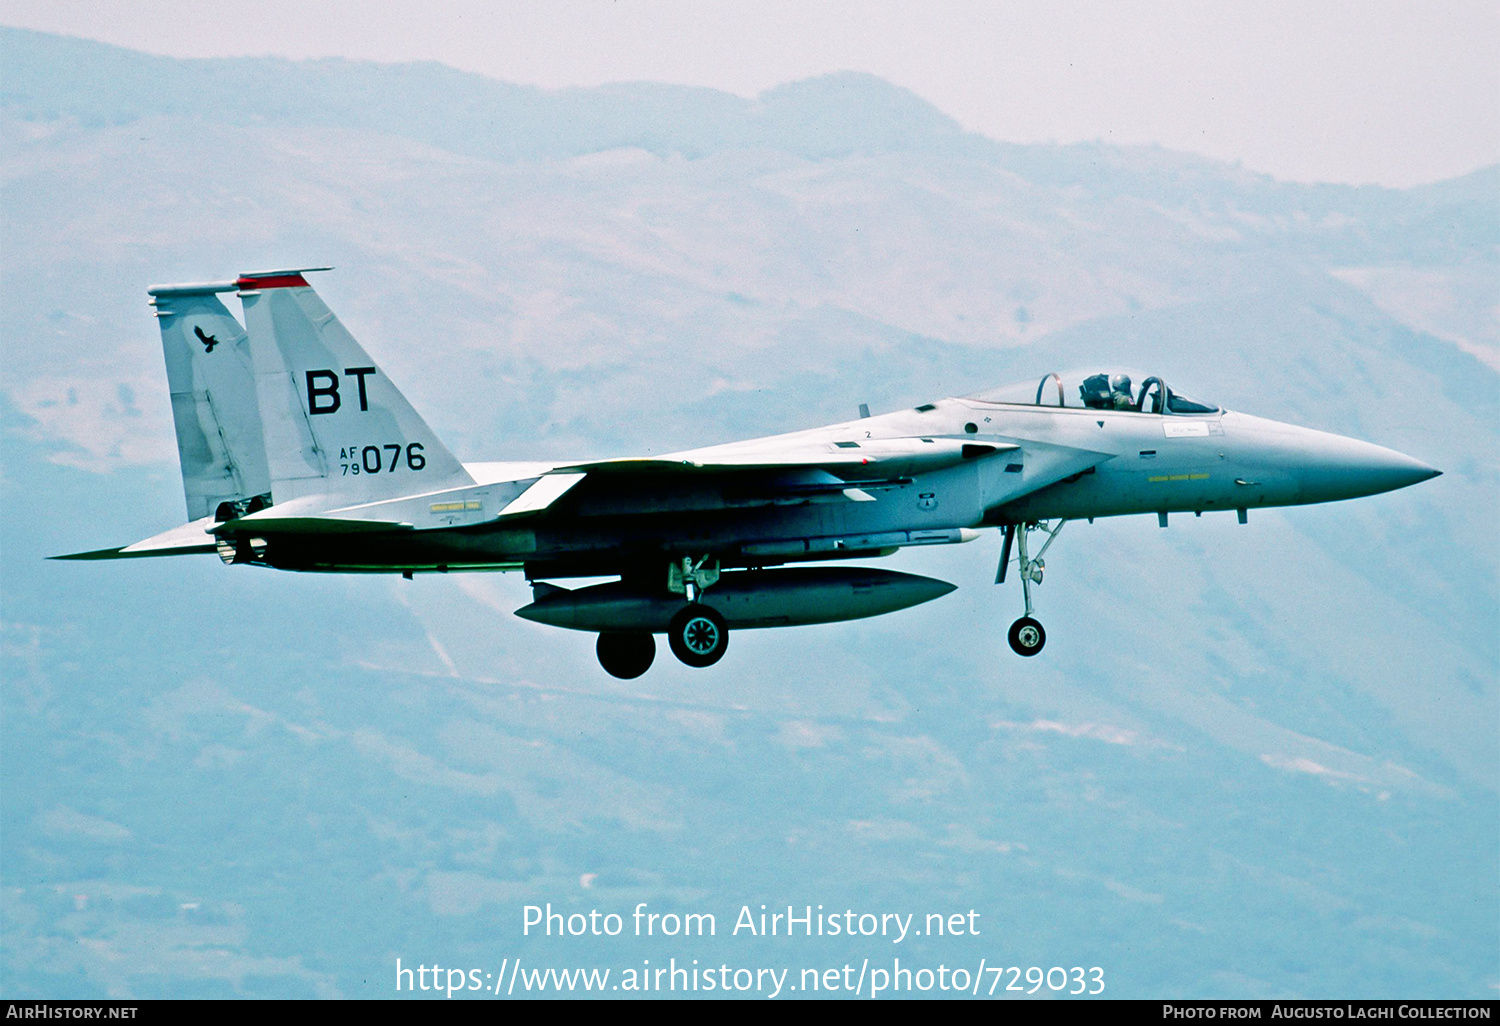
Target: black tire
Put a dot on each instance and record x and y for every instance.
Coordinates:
(626, 656)
(698, 636)
(1027, 636)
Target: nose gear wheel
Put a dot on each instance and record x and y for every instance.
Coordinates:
(1027, 636)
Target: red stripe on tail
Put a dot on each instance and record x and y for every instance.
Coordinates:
(274, 281)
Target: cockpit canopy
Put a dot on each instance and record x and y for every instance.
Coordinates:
(1100, 389)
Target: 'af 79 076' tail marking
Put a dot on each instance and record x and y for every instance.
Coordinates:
(367, 459)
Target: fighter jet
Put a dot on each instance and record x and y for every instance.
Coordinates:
(299, 453)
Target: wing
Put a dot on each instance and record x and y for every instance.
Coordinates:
(882, 458)
(758, 473)
(770, 472)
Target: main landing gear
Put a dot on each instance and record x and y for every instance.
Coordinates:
(696, 634)
(1026, 635)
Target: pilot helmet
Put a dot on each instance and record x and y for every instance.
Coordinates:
(1120, 383)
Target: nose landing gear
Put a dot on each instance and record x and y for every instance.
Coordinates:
(1026, 635)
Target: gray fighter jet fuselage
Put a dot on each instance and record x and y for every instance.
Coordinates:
(299, 454)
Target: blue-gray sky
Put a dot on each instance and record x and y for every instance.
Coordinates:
(1370, 91)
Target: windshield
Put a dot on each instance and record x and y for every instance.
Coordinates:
(1099, 389)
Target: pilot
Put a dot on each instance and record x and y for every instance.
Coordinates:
(1119, 393)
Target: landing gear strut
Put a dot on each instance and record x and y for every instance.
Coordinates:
(697, 634)
(1026, 635)
(688, 577)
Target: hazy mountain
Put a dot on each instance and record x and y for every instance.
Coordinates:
(1252, 760)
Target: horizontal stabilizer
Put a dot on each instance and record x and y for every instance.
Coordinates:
(188, 540)
(125, 553)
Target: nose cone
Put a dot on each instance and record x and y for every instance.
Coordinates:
(1293, 465)
(1330, 467)
(1389, 470)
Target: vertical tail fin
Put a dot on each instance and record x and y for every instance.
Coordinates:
(335, 425)
(212, 379)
